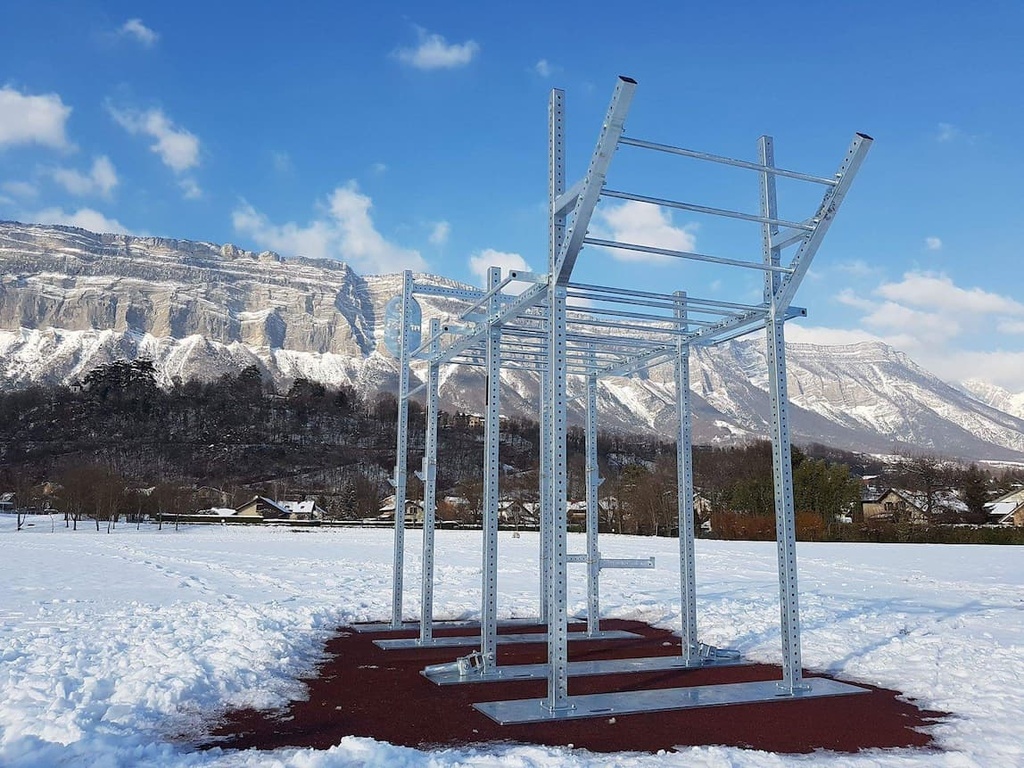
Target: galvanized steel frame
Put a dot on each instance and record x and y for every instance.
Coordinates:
(535, 331)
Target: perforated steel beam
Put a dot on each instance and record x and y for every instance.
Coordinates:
(401, 450)
(492, 426)
(782, 467)
(689, 643)
(428, 476)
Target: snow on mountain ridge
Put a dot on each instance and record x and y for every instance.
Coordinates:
(71, 300)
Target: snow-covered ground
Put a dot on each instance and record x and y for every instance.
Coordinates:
(117, 648)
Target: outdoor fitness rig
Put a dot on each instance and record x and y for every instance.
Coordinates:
(619, 333)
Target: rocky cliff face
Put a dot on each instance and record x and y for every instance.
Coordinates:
(71, 300)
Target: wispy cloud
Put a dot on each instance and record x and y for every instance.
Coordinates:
(177, 147)
(642, 224)
(21, 189)
(281, 161)
(27, 119)
(344, 230)
(85, 218)
(101, 179)
(135, 29)
(933, 243)
(434, 52)
(439, 233)
(928, 316)
(542, 68)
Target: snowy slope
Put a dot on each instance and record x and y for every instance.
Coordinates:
(71, 300)
(114, 646)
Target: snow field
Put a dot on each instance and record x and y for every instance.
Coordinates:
(118, 649)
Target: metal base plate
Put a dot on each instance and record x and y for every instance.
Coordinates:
(467, 641)
(373, 627)
(633, 702)
(579, 669)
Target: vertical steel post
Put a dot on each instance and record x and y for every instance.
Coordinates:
(556, 235)
(782, 467)
(545, 492)
(684, 490)
(401, 450)
(593, 481)
(492, 426)
(429, 478)
(558, 620)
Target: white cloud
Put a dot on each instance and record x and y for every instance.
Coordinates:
(642, 224)
(857, 268)
(26, 119)
(929, 289)
(542, 68)
(932, 319)
(282, 161)
(134, 28)
(800, 334)
(345, 231)
(378, 169)
(440, 232)
(434, 52)
(948, 132)
(86, 218)
(1010, 326)
(100, 180)
(933, 243)
(22, 189)
(481, 260)
(177, 147)
(190, 188)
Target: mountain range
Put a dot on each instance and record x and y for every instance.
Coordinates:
(71, 300)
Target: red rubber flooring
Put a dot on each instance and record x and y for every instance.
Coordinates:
(365, 691)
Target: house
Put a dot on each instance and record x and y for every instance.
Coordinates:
(413, 510)
(261, 506)
(894, 505)
(897, 505)
(7, 502)
(1008, 509)
(307, 509)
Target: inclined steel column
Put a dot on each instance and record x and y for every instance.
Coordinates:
(402, 449)
(593, 481)
(429, 478)
(782, 467)
(684, 490)
(492, 426)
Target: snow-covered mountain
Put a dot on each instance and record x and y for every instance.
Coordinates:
(996, 396)
(71, 300)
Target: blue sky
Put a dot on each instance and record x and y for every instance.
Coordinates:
(395, 135)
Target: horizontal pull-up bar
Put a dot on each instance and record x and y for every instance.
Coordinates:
(707, 209)
(686, 255)
(726, 161)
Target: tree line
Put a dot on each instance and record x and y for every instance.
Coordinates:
(117, 446)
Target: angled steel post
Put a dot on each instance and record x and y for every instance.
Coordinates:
(782, 467)
(590, 191)
(492, 426)
(593, 481)
(402, 450)
(429, 478)
(684, 495)
(785, 289)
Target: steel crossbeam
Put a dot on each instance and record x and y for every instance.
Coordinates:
(620, 332)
